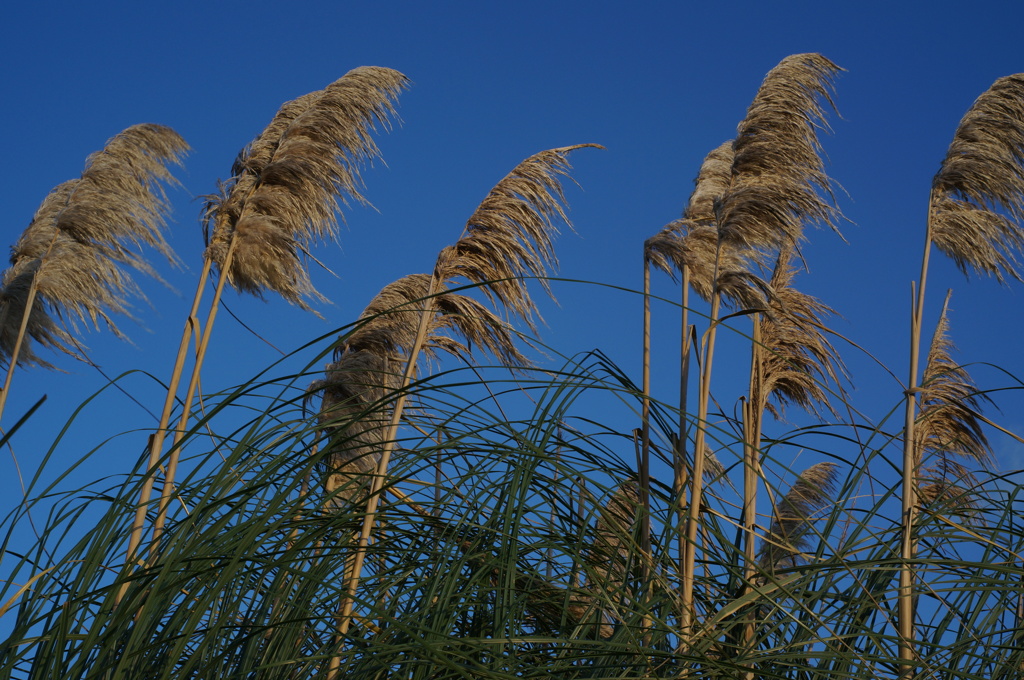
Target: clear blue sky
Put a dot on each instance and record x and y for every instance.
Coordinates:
(658, 84)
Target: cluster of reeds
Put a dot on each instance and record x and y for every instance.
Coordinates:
(483, 521)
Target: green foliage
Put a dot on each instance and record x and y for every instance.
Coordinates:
(493, 571)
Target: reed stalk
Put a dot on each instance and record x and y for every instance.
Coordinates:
(193, 385)
(18, 342)
(156, 440)
(975, 209)
(697, 477)
(283, 196)
(679, 459)
(507, 238)
(644, 457)
(751, 478)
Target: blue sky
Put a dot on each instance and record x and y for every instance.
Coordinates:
(658, 84)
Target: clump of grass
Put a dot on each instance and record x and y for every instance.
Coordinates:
(777, 185)
(507, 238)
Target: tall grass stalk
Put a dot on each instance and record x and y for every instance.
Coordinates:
(283, 196)
(509, 235)
(975, 208)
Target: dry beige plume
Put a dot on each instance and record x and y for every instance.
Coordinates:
(693, 242)
(778, 176)
(977, 199)
(368, 366)
(798, 359)
(794, 517)
(82, 237)
(287, 183)
(510, 235)
(612, 558)
(949, 488)
(948, 425)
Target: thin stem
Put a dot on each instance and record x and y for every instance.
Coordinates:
(643, 467)
(911, 455)
(697, 476)
(179, 433)
(30, 302)
(157, 439)
(354, 574)
(13, 362)
(679, 476)
(753, 410)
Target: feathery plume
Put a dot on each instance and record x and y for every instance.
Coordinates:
(713, 179)
(778, 176)
(683, 243)
(798, 358)
(948, 427)
(368, 366)
(614, 539)
(977, 199)
(510, 234)
(612, 557)
(83, 236)
(288, 182)
(787, 538)
(693, 242)
(948, 488)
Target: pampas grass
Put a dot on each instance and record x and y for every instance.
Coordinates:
(88, 230)
(798, 363)
(284, 196)
(508, 237)
(974, 216)
(778, 182)
(777, 185)
(977, 200)
(287, 184)
(71, 264)
(949, 428)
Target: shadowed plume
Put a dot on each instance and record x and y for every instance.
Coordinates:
(84, 235)
(612, 557)
(977, 199)
(368, 366)
(288, 182)
(795, 515)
